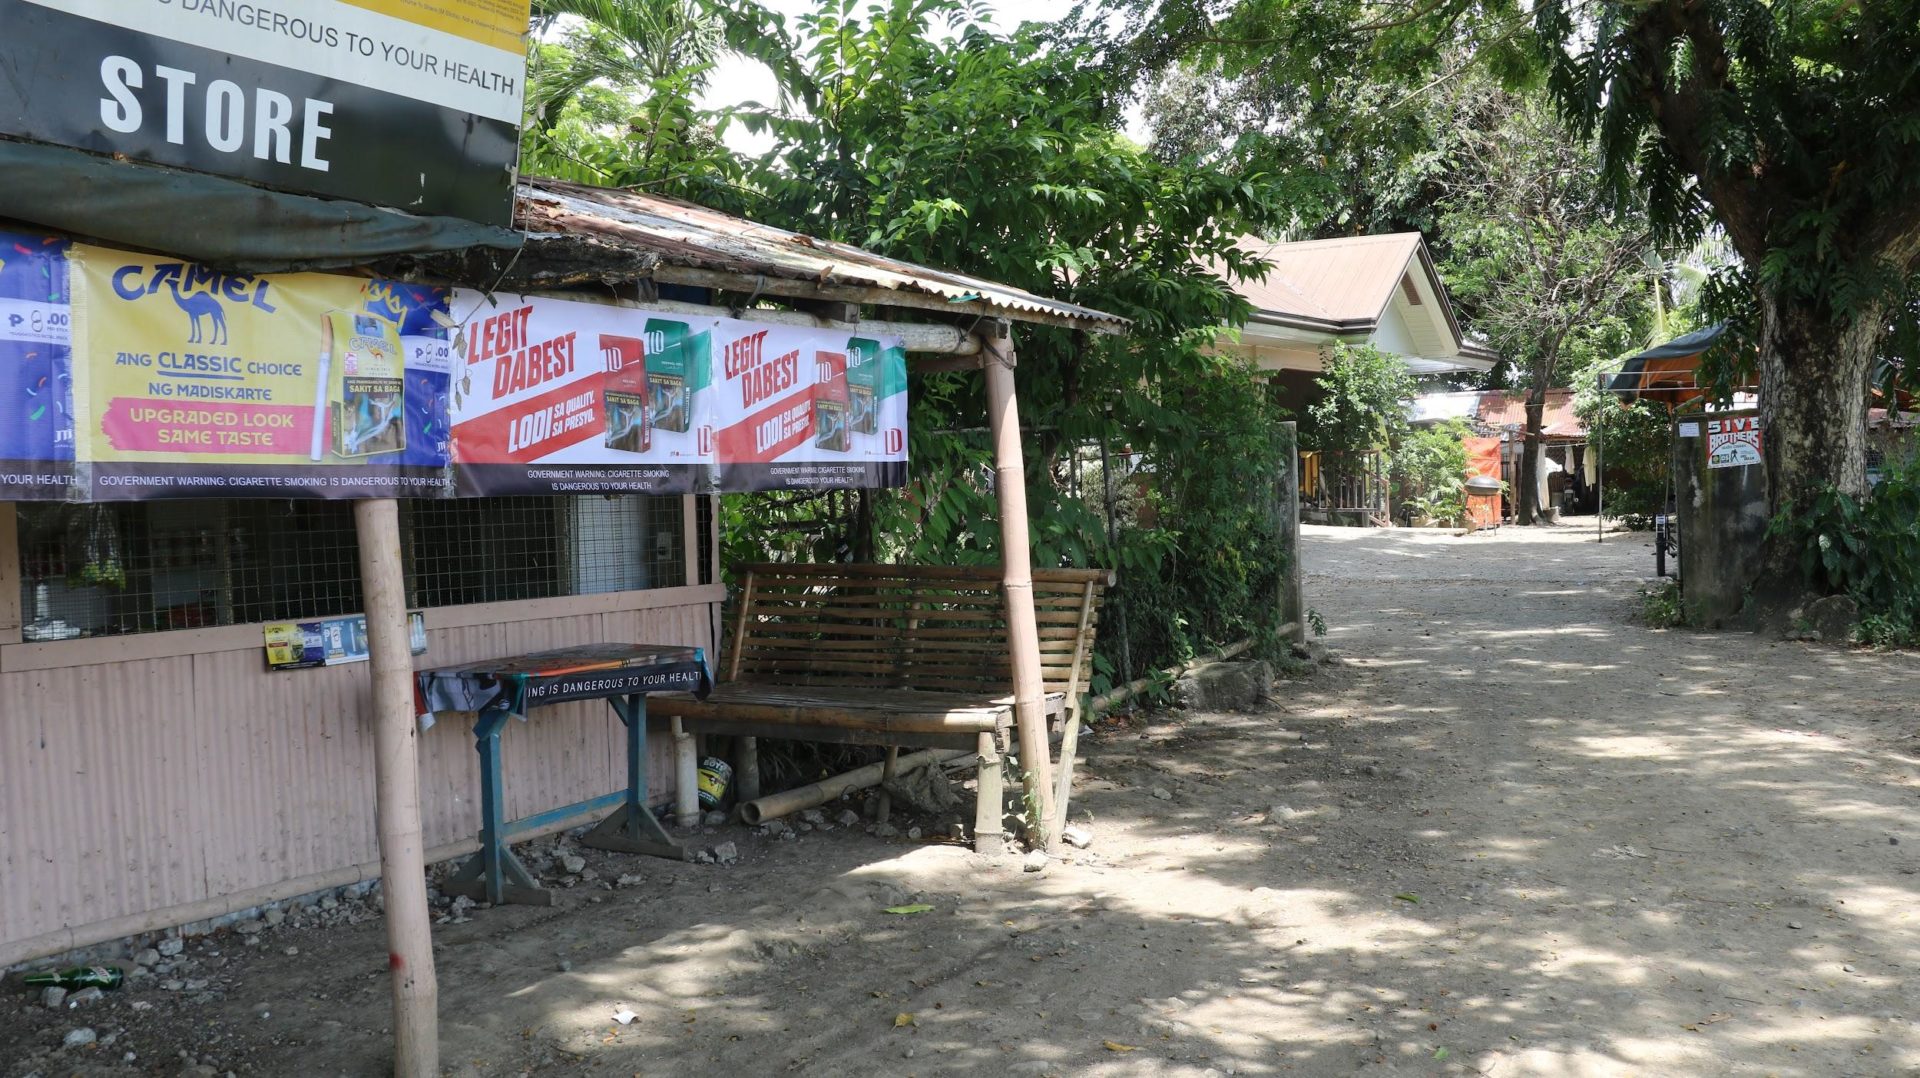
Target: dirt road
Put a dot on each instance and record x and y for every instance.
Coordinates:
(1511, 833)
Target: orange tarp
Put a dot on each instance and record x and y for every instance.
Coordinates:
(1483, 458)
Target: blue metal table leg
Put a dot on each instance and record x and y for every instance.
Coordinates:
(494, 874)
(632, 828)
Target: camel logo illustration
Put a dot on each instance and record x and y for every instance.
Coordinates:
(202, 294)
(200, 305)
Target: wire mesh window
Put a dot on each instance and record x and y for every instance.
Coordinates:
(111, 569)
(703, 533)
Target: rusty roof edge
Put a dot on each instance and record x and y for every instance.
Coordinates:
(685, 241)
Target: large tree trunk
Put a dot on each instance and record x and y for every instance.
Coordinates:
(1814, 376)
(1526, 500)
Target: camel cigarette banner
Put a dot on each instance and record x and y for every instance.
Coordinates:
(130, 376)
(36, 393)
(197, 382)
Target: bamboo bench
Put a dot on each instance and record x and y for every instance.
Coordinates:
(893, 655)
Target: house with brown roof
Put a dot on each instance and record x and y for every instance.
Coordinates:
(1378, 290)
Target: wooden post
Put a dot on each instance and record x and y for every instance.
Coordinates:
(13, 613)
(396, 771)
(1293, 610)
(1023, 630)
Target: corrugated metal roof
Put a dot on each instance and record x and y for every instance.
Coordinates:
(1500, 409)
(680, 233)
(1349, 279)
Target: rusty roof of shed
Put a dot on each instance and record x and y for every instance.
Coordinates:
(670, 232)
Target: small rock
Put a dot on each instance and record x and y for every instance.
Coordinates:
(703, 857)
(885, 830)
(1793, 924)
(774, 828)
(1161, 793)
(85, 996)
(1077, 837)
(148, 957)
(172, 947)
(630, 880)
(328, 902)
(142, 1005)
(847, 818)
(714, 818)
(196, 986)
(566, 966)
(802, 827)
(53, 997)
(813, 816)
(291, 951)
(250, 928)
(726, 853)
(275, 916)
(1846, 969)
(80, 1038)
(572, 864)
(913, 833)
(1035, 861)
(1283, 813)
(1369, 769)
(172, 985)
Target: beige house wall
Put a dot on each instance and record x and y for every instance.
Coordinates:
(161, 778)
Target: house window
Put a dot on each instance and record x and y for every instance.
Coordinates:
(136, 567)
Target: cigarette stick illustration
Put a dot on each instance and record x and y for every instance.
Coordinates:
(319, 448)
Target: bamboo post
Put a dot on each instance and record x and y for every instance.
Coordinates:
(1023, 629)
(396, 770)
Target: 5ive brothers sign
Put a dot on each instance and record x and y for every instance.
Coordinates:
(412, 104)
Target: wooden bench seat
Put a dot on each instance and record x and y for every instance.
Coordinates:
(893, 655)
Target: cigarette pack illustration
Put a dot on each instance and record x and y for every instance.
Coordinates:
(624, 398)
(671, 354)
(863, 382)
(830, 403)
(363, 379)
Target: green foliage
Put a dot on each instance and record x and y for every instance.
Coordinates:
(1867, 548)
(1661, 606)
(1430, 468)
(1635, 443)
(1001, 155)
(612, 101)
(1364, 407)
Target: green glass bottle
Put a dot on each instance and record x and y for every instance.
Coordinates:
(103, 977)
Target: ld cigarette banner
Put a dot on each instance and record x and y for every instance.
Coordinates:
(559, 396)
(196, 382)
(807, 408)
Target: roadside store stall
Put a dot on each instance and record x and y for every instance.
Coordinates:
(241, 501)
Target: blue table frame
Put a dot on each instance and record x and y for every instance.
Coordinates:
(496, 692)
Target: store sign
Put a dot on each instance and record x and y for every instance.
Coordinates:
(413, 104)
(132, 376)
(1734, 442)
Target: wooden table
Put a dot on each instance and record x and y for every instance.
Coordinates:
(499, 689)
